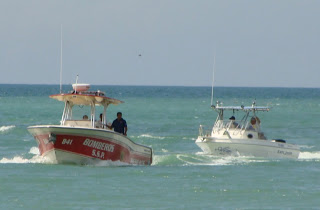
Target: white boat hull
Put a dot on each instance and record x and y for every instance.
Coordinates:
(247, 147)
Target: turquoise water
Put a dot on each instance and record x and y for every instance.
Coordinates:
(181, 176)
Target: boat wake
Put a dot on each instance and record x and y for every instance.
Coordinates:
(6, 128)
(309, 156)
(19, 160)
(109, 163)
(36, 158)
(199, 159)
(167, 159)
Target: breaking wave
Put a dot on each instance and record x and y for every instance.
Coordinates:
(6, 128)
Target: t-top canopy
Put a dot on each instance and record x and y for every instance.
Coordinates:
(87, 98)
(243, 108)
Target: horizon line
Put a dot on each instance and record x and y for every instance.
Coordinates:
(170, 85)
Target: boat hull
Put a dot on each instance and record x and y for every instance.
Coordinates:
(248, 147)
(75, 145)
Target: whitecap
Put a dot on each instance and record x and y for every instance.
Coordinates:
(306, 146)
(150, 136)
(6, 128)
(187, 138)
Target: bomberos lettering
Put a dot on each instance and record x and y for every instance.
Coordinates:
(99, 145)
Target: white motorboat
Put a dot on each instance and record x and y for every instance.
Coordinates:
(87, 140)
(243, 137)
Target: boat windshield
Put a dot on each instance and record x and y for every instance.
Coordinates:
(230, 124)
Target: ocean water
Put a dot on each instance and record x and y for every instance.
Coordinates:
(181, 176)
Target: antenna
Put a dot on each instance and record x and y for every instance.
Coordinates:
(76, 83)
(214, 64)
(61, 63)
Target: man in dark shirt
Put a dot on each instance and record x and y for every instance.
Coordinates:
(119, 124)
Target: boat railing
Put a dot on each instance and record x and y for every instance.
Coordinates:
(234, 127)
(203, 132)
(241, 128)
(220, 126)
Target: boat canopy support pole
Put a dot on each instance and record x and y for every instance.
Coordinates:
(221, 114)
(104, 118)
(65, 110)
(93, 110)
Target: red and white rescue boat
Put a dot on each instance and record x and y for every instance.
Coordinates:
(87, 141)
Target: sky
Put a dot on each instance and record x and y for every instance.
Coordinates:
(266, 43)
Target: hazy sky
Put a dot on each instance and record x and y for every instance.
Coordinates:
(257, 43)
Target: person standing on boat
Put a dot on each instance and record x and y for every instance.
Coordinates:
(255, 124)
(99, 123)
(119, 124)
(233, 124)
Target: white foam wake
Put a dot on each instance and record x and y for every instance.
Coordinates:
(6, 128)
(35, 159)
(210, 160)
(19, 160)
(309, 155)
(34, 150)
(105, 163)
(202, 159)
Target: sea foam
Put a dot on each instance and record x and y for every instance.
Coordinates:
(309, 155)
(200, 158)
(106, 163)
(6, 128)
(150, 136)
(34, 150)
(20, 160)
